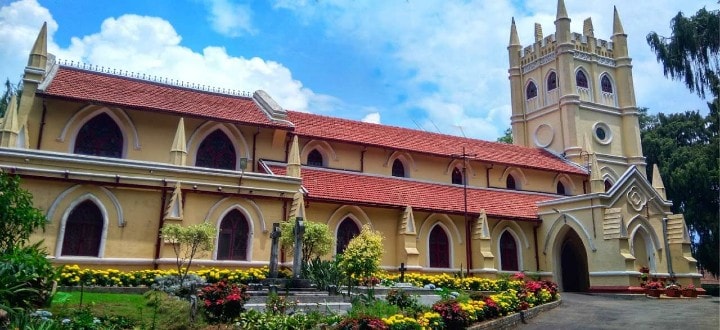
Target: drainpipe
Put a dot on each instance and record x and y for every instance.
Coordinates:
(161, 223)
(537, 257)
(254, 148)
(285, 217)
(42, 126)
(362, 160)
(592, 213)
(487, 175)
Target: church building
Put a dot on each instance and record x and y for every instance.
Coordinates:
(112, 156)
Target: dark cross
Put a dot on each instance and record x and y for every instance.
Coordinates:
(402, 270)
(275, 236)
(299, 232)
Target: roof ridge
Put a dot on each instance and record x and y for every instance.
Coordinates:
(473, 140)
(164, 81)
(270, 163)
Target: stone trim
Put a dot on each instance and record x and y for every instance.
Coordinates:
(515, 319)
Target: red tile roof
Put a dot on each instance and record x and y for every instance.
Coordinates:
(82, 85)
(350, 131)
(356, 188)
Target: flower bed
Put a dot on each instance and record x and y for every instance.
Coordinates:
(74, 275)
(479, 304)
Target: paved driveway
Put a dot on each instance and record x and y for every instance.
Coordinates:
(584, 311)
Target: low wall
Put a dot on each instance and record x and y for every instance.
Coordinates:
(513, 320)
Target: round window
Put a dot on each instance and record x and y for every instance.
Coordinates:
(602, 133)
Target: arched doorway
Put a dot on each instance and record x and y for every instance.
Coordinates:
(573, 263)
(643, 250)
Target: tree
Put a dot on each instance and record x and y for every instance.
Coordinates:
(18, 217)
(361, 258)
(685, 148)
(691, 52)
(187, 243)
(507, 136)
(317, 240)
(26, 274)
(7, 95)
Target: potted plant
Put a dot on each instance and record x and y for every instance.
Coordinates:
(689, 291)
(673, 290)
(653, 288)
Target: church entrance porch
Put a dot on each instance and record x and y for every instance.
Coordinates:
(573, 263)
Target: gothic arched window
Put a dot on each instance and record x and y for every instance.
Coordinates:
(83, 231)
(581, 79)
(560, 188)
(510, 182)
(315, 158)
(233, 237)
(551, 81)
(100, 136)
(531, 90)
(346, 231)
(608, 185)
(216, 151)
(605, 84)
(457, 176)
(439, 248)
(398, 169)
(508, 252)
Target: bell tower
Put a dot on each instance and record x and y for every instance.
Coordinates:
(573, 94)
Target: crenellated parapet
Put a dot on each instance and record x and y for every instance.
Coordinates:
(586, 48)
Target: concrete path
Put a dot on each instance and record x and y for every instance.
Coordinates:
(585, 311)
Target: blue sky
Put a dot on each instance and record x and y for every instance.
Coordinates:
(433, 65)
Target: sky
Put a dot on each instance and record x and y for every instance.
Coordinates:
(439, 66)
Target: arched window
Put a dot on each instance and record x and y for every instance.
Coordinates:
(510, 182)
(216, 151)
(346, 231)
(508, 252)
(83, 231)
(100, 136)
(233, 237)
(560, 188)
(315, 158)
(608, 185)
(581, 79)
(457, 176)
(439, 248)
(605, 84)
(398, 169)
(531, 90)
(551, 81)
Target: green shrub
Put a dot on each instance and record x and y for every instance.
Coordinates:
(26, 278)
(401, 299)
(316, 241)
(323, 273)
(169, 312)
(361, 258)
(379, 308)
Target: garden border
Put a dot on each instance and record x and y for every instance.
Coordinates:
(515, 319)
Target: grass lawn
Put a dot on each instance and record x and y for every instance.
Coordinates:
(170, 312)
(102, 303)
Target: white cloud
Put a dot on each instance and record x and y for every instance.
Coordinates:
(373, 117)
(20, 23)
(150, 45)
(230, 19)
(459, 50)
